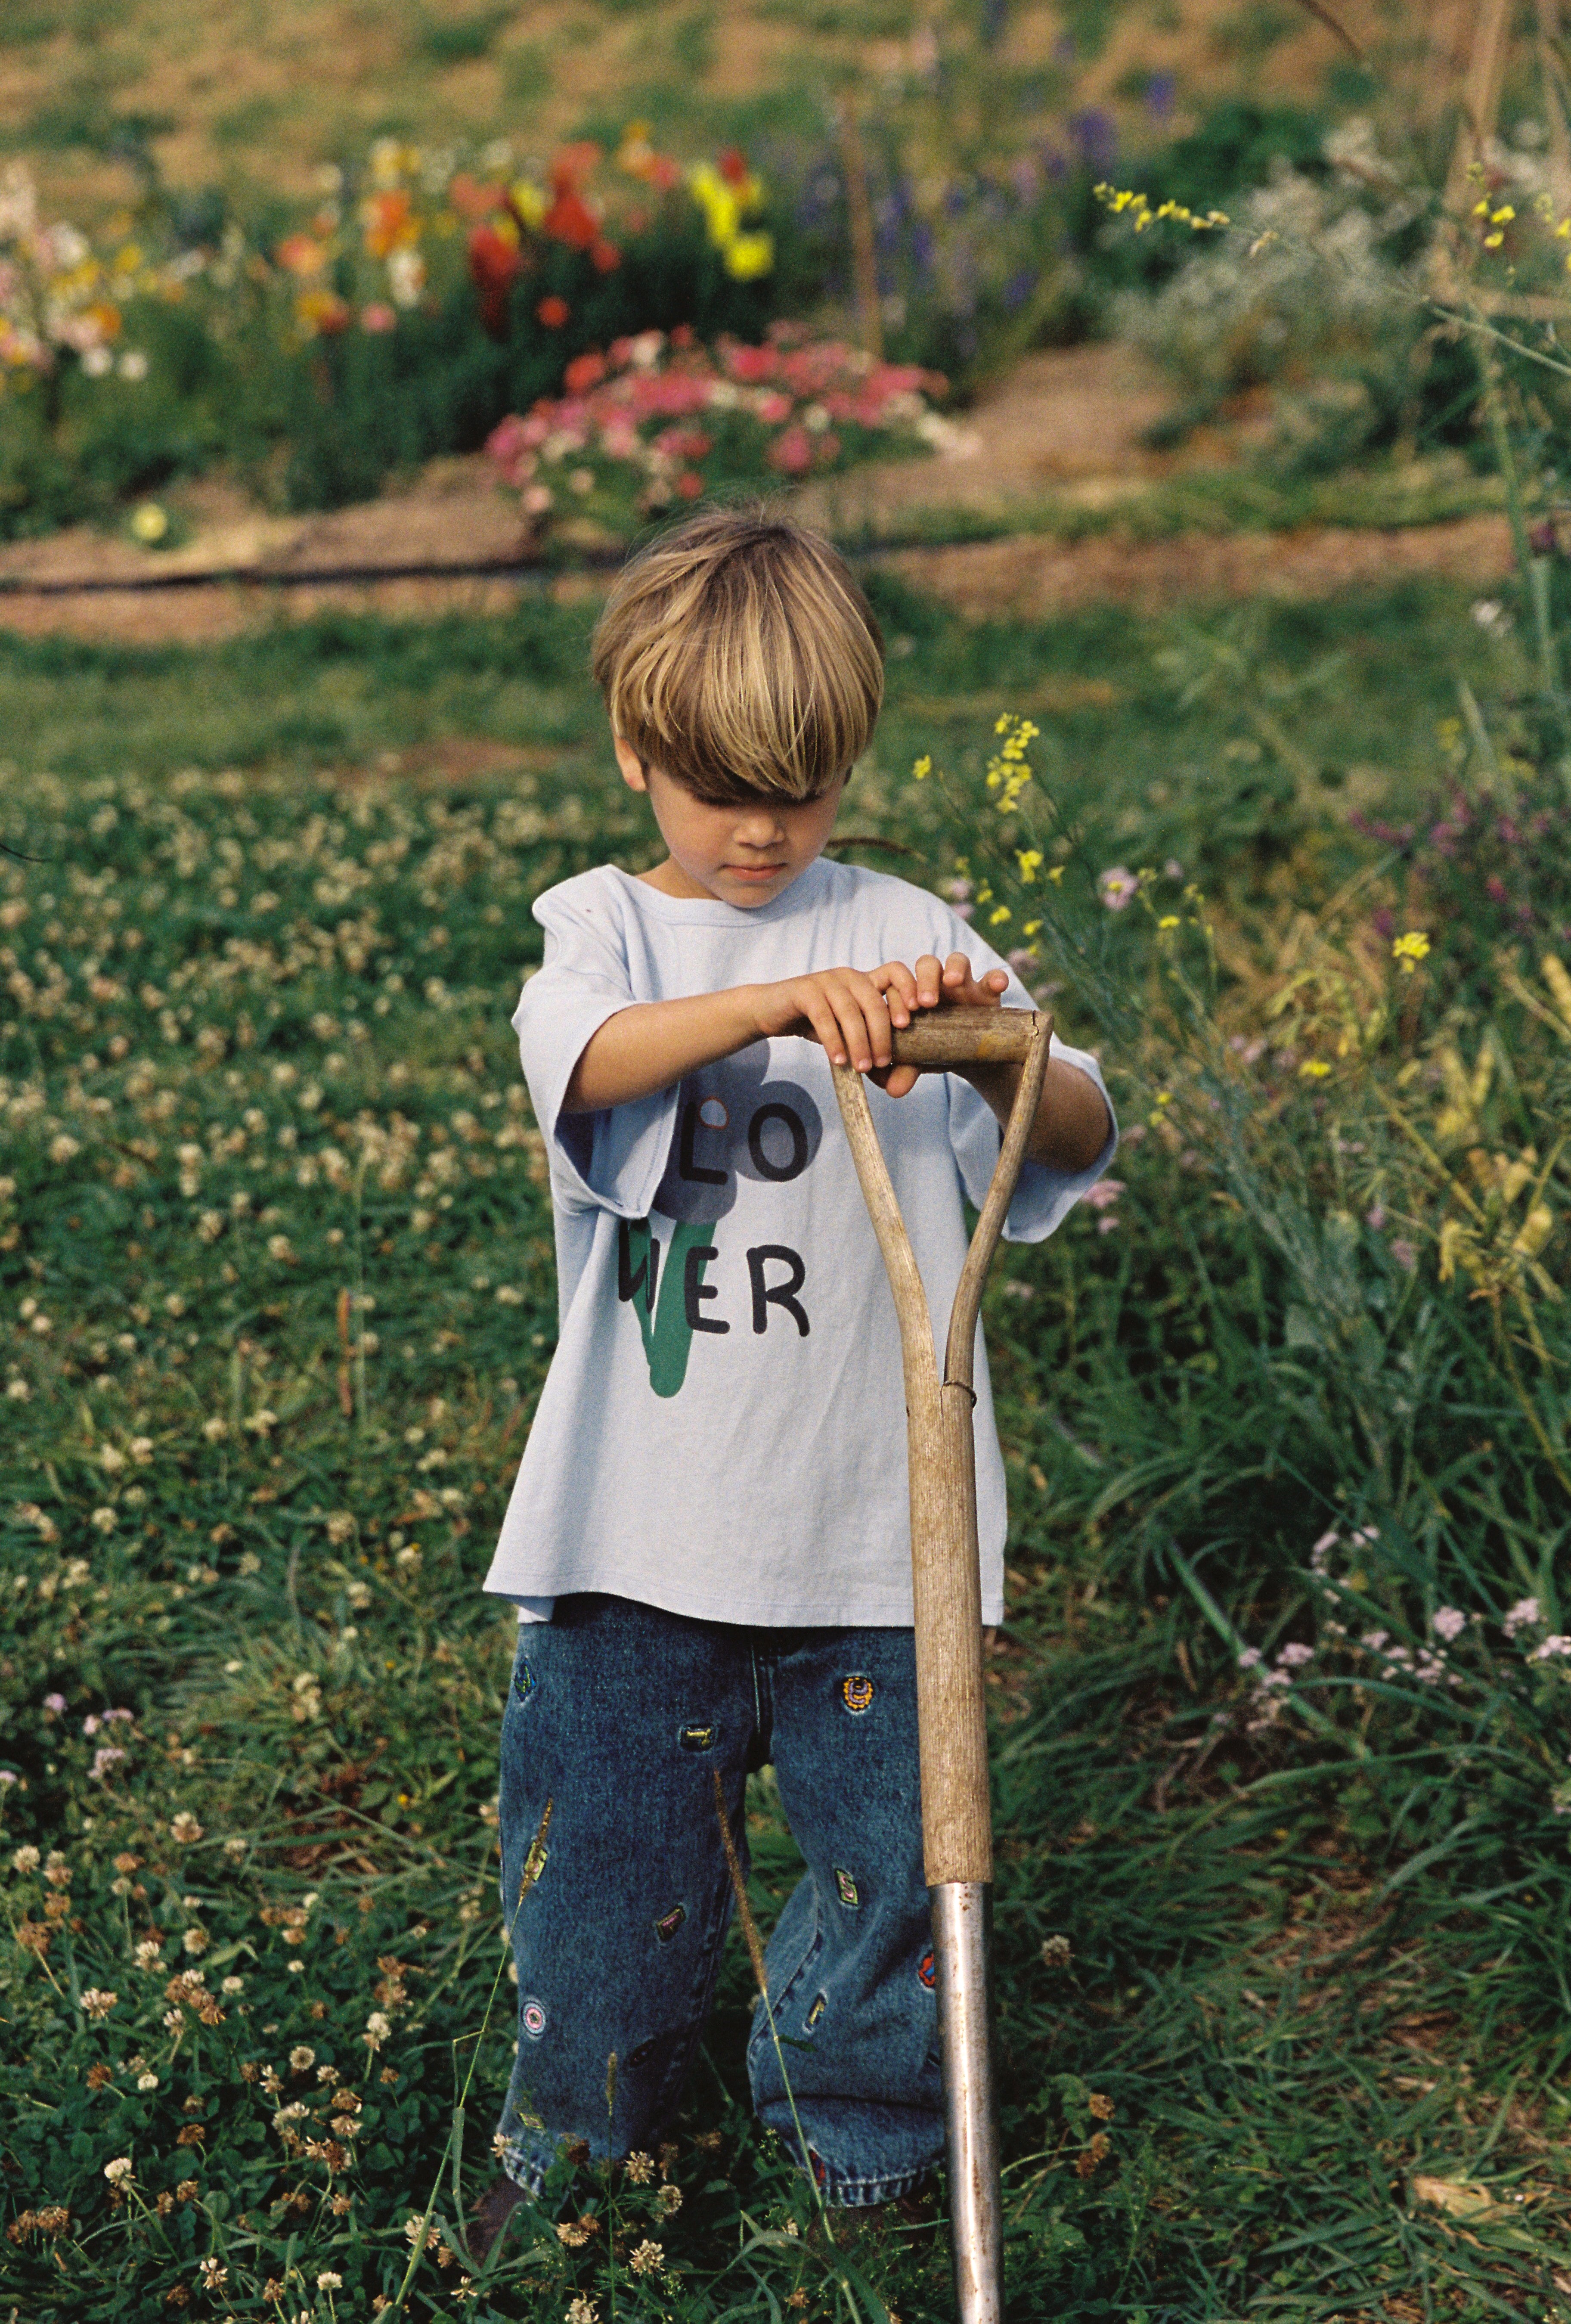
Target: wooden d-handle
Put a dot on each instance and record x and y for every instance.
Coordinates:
(966, 1037)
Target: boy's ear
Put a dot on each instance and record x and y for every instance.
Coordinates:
(634, 773)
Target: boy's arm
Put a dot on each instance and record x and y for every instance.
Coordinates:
(651, 1044)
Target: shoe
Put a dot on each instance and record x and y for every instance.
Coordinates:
(489, 2217)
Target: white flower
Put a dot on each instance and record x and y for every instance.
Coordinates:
(102, 1520)
(98, 2003)
(647, 2258)
(26, 1858)
(1523, 1615)
(1448, 1622)
(118, 2172)
(149, 2081)
(1552, 1650)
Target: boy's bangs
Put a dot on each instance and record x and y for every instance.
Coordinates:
(739, 658)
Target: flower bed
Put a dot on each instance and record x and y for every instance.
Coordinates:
(423, 296)
(658, 419)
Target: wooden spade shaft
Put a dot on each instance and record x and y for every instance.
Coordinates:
(946, 1582)
(940, 1442)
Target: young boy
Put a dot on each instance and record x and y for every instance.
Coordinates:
(709, 1539)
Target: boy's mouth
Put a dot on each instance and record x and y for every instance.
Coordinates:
(754, 873)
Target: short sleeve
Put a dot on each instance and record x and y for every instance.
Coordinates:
(611, 1160)
(1043, 1198)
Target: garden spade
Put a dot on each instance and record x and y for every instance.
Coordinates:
(946, 1576)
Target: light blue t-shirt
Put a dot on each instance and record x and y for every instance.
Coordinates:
(722, 1429)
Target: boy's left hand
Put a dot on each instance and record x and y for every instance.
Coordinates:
(932, 984)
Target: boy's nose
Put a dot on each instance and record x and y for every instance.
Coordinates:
(761, 830)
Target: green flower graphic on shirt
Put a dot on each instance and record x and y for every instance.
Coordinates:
(660, 1295)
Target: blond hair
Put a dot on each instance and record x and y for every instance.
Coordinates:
(738, 655)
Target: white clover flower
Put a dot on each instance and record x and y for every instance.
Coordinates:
(149, 2081)
(26, 1858)
(1448, 1622)
(119, 2172)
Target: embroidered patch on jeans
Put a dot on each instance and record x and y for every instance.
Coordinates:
(927, 1970)
(523, 1681)
(850, 1894)
(810, 2022)
(698, 1735)
(857, 1693)
(532, 2017)
(667, 1926)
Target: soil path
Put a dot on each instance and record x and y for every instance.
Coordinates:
(1071, 423)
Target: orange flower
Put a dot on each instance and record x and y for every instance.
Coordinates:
(584, 371)
(495, 263)
(471, 199)
(553, 312)
(298, 254)
(389, 222)
(570, 218)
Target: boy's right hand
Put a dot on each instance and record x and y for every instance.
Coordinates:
(851, 1011)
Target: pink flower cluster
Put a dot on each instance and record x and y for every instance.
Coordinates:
(635, 408)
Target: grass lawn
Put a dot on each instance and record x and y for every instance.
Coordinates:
(1283, 2006)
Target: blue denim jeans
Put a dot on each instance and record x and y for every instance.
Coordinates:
(618, 1716)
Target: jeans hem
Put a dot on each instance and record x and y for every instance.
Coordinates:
(846, 2191)
(524, 2169)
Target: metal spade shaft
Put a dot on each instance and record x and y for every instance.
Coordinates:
(946, 1580)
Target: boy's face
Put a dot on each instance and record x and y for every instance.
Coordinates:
(745, 854)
